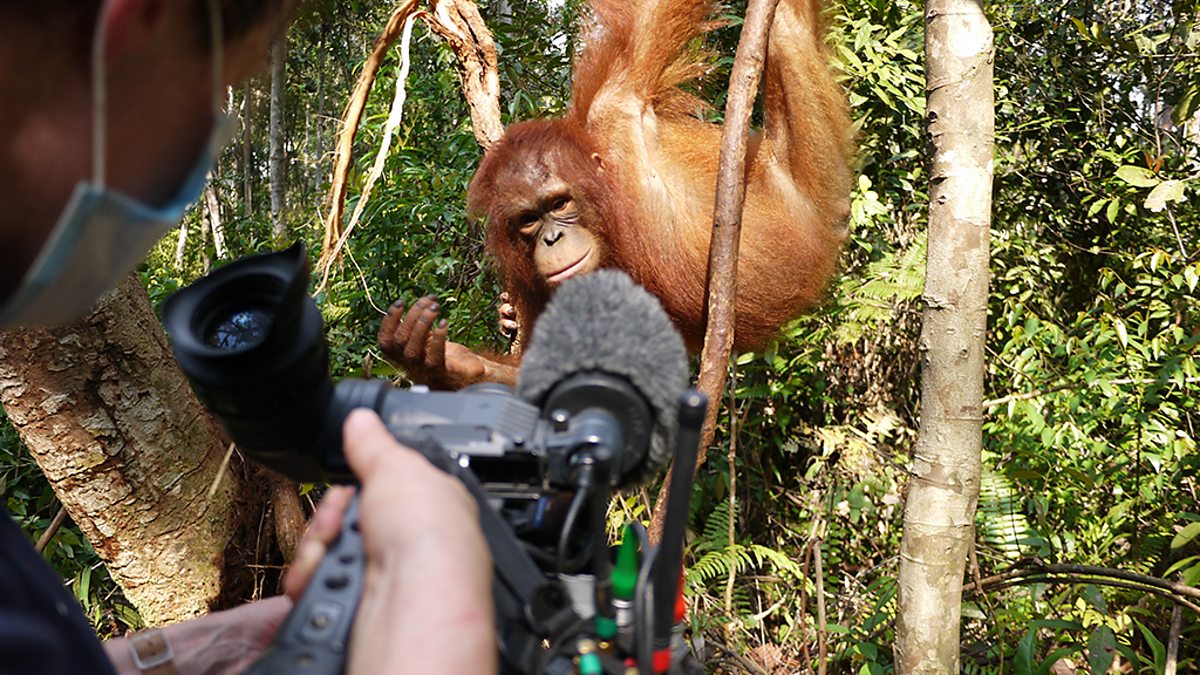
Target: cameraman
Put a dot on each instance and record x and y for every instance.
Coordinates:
(109, 118)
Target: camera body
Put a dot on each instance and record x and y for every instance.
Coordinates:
(251, 342)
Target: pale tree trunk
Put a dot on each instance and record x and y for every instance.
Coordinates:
(278, 175)
(213, 205)
(205, 258)
(943, 490)
(181, 244)
(128, 450)
(247, 135)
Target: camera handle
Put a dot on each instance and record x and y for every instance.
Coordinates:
(315, 637)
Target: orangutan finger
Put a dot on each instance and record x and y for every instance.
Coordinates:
(387, 327)
(414, 348)
(435, 354)
(411, 319)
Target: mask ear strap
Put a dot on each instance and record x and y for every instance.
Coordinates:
(217, 35)
(99, 98)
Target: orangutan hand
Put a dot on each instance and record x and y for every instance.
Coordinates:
(507, 317)
(416, 341)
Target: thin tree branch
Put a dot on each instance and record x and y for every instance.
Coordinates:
(395, 117)
(1030, 567)
(1101, 581)
(822, 655)
(344, 154)
(1173, 641)
(55, 524)
(460, 24)
(744, 662)
(1038, 393)
(727, 228)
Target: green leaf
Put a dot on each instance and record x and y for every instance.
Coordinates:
(85, 584)
(1025, 652)
(1183, 111)
(1166, 191)
(1095, 598)
(1185, 535)
(1160, 652)
(1057, 624)
(1102, 649)
(1114, 207)
(1123, 336)
(1137, 176)
(1082, 28)
(1180, 564)
(1055, 656)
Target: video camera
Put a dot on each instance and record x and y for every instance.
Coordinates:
(601, 403)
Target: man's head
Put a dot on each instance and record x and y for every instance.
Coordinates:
(158, 70)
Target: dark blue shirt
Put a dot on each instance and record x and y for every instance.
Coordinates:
(42, 629)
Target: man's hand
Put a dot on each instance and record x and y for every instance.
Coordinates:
(416, 341)
(427, 603)
(225, 642)
(427, 595)
(232, 640)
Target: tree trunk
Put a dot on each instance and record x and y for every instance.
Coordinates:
(278, 176)
(247, 159)
(943, 491)
(181, 245)
(213, 205)
(128, 450)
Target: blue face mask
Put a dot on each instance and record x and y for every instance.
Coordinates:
(102, 234)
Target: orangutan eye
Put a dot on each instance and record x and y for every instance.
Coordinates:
(528, 223)
(559, 203)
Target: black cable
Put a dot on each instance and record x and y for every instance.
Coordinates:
(564, 537)
(643, 608)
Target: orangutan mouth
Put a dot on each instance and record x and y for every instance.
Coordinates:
(568, 271)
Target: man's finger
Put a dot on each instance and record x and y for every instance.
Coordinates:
(367, 442)
(326, 522)
(323, 528)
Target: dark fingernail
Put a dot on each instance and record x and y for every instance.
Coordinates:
(443, 324)
(399, 304)
(435, 306)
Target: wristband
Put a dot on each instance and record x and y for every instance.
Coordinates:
(152, 653)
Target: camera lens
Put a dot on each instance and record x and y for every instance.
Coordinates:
(239, 329)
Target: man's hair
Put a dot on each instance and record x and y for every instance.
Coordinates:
(237, 16)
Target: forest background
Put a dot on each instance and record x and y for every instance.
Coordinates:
(1093, 410)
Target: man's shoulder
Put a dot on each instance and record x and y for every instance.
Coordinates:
(42, 628)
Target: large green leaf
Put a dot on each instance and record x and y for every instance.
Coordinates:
(1137, 176)
(1102, 649)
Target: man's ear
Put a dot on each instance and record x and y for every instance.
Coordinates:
(130, 23)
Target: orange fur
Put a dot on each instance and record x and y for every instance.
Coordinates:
(651, 195)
